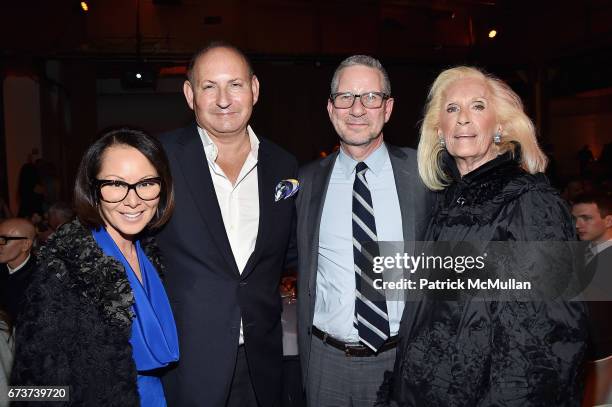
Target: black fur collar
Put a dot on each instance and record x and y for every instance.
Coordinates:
(477, 197)
(73, 254)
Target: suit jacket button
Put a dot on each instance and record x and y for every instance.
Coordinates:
(243, 283)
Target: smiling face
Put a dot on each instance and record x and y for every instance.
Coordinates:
(357, 125)
(223, 93)
(468, 123)
(129, 217)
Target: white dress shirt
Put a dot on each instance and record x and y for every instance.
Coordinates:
(19, 267)
(597, 248)
(239, 202)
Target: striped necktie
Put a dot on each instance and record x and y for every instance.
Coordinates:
(589, 253)
(371, 318)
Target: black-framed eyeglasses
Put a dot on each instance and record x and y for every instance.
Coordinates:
(113, 191)
(5, 239)
(369, 100)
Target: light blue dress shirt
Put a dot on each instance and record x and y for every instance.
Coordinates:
(335, 299)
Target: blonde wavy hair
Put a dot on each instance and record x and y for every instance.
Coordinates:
(516, 126)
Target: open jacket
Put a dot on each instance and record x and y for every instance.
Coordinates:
(77, 322)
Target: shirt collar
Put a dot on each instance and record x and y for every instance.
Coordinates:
(211, 150)
(375, 161)
(600, 247)
(19, 267)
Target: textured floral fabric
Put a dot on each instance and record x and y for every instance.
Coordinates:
(496, 353)
(76, 324)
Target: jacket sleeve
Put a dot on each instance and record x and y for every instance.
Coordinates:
(538, 346)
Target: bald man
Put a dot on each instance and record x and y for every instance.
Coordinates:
(227, 243)
(16, 262)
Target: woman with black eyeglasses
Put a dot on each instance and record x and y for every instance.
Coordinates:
(97, 318)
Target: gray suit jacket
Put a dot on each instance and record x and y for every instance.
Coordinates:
(416, 203)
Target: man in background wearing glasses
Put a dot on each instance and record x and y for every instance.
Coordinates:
(366, 192)
(16, 263)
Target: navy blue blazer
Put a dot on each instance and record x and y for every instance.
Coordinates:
(208, 294)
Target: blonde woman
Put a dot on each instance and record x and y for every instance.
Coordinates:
(479, 150)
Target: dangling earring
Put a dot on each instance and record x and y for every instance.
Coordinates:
(442, 142)
(497, 138)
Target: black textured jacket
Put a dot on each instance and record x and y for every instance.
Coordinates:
(468, 353)
(76, 325)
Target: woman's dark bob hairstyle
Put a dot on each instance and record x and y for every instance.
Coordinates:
(86, 198)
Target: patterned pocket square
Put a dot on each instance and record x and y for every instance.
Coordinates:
(286, 188)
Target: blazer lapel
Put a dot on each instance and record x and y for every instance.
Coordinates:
(195, 169)
(266, 182)
(403, 181)
(320, 184)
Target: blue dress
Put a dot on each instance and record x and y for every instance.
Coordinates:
(154, 339)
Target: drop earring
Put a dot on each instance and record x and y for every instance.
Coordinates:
(497, 138)
(442, 142)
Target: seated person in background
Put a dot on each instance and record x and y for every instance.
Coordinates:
(58, 214)
(96, 316)
(6, 355)
(593, 214)
(16, 263)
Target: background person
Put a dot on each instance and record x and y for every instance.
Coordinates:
(478, 148)
(97, 317)
(7, 348)
(30, 189)
(58, 214)
(17, 263)
(593, 214)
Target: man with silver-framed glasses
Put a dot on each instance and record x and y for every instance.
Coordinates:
(366, 192)
(16, 262)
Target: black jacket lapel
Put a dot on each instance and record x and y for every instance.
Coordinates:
(320, 183)
(266, 183)
(195, 170)
(399, 163)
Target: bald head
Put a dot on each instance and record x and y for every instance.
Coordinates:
(216, 46)
(16, 251)
(19, 227)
